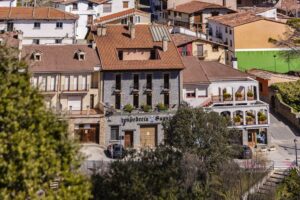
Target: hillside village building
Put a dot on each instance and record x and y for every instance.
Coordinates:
(140, 67)
(39, 25)
(229, 92)
(89, 10)
(247, 36)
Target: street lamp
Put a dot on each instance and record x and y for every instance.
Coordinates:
(295, 141)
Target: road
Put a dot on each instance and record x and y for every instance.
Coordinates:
(282, 136)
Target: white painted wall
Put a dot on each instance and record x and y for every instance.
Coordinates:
(47, 33)
(97, 11)
(7, 3)
(272, 13)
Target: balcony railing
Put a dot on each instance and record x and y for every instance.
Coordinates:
(116, 88)
(75, 88)
(148, 87)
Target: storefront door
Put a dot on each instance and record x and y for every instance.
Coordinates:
(148, 136)
(252, 138)
(87, 135)
(128, 139)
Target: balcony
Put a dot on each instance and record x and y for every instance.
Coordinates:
(79, 88)
(135, 88)
(48, 91)
(165, 88)
(116, 88)
(87, 112)
(148, 87)
(254, 114)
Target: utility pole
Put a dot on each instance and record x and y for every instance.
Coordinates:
(295, 141)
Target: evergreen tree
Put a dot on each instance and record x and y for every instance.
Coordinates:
(35, 149)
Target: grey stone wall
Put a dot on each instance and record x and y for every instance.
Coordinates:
(127, 83)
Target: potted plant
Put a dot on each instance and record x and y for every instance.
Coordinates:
(250, 95)
(226, 96)
(238, 96)
(128, 108)
(237, 120)
(161, 107)
(249, 120)
(262, 118)
(146, 108)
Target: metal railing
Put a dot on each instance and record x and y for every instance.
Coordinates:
(73, 87)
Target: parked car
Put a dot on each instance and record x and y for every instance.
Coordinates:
(116, 151)
(246, 152)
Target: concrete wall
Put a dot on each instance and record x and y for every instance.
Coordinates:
(127, 82)
(47, 33)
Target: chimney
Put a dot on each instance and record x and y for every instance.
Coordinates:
(165, 44)
(93, 45)
(132, 31)
(104, 29)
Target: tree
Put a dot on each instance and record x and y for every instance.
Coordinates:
(289, 189)
(35, 150)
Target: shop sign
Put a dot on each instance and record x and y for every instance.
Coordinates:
(149, 119)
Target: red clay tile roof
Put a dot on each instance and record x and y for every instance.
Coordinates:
(61, 58)
(35, 13)
(181, 39)
(195, 6)
(238, 19)
(117, 37)
(10, 39)
(119, 15)
(73, 1)
(197, 72)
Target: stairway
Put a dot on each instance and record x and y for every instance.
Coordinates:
(269, 186)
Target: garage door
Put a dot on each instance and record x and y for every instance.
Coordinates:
(75, 102)
(148, 136)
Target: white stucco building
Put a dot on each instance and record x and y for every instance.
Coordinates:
(8, 3)
(229, 92)
(39, 25)
(88, 10)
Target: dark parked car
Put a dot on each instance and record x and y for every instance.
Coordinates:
(116, 151)
(246, 152)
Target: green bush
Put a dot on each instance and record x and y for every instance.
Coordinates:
(250, 94)
(128, 108)
(161, 107)
(238, 95)
(237, 119)
(226, 96)
(146, 108)
(289, 93)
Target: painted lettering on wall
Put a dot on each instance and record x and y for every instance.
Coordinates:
(149, 119)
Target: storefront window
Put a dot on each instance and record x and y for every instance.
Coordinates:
(261, 137)
(114, 133)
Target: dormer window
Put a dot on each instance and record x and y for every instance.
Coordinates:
(37, 56)
(80, 55)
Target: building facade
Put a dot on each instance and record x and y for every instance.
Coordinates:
(232, 94)
(140, 83)
(193, 15)
(89, 10)
(255, 50)
(232, 4)
(39, 25)
(70, 85)
(8, 3)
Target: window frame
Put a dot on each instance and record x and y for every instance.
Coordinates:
(59, 25)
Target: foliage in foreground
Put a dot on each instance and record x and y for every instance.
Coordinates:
(290, 93)
(194, 163)
(289, 189)
(35, 149)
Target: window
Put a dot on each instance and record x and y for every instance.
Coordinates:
(95, 78)
(190, 94)
(260, 87)
(37, 56)
(137, 19)
(214, 14)
(35, 41)
(136, 100)
(75, 83)
(92, 101)
(90, 6)
(124, 21)
(230, 31)
(118, 82)
(59, 25)
(114, 132)
(125, 4)
(136, 81)
(42, 81)
(215, 48)
(107, 7)
(58, 41)
(202, 93)
(84, 83)
(52, 83)
(67, 83)
(118, 101)
(226, 30)
(10, 26)
(231, 43)
(149, 100)
(90, 19)
(75, 6)
(149, 81)
(166, 100)
(120, 55)
(36, 25)
(81, 55)
(166, 81)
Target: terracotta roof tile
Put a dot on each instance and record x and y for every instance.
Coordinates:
(35, 13)
(197, 71)
(181, 39)
(117, 37)
(195, 6)
(238, 19)
(119, 15)
(61, 58)
(10, 39)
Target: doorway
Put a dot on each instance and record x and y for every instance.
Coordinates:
(128, 140)
(252, 137)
